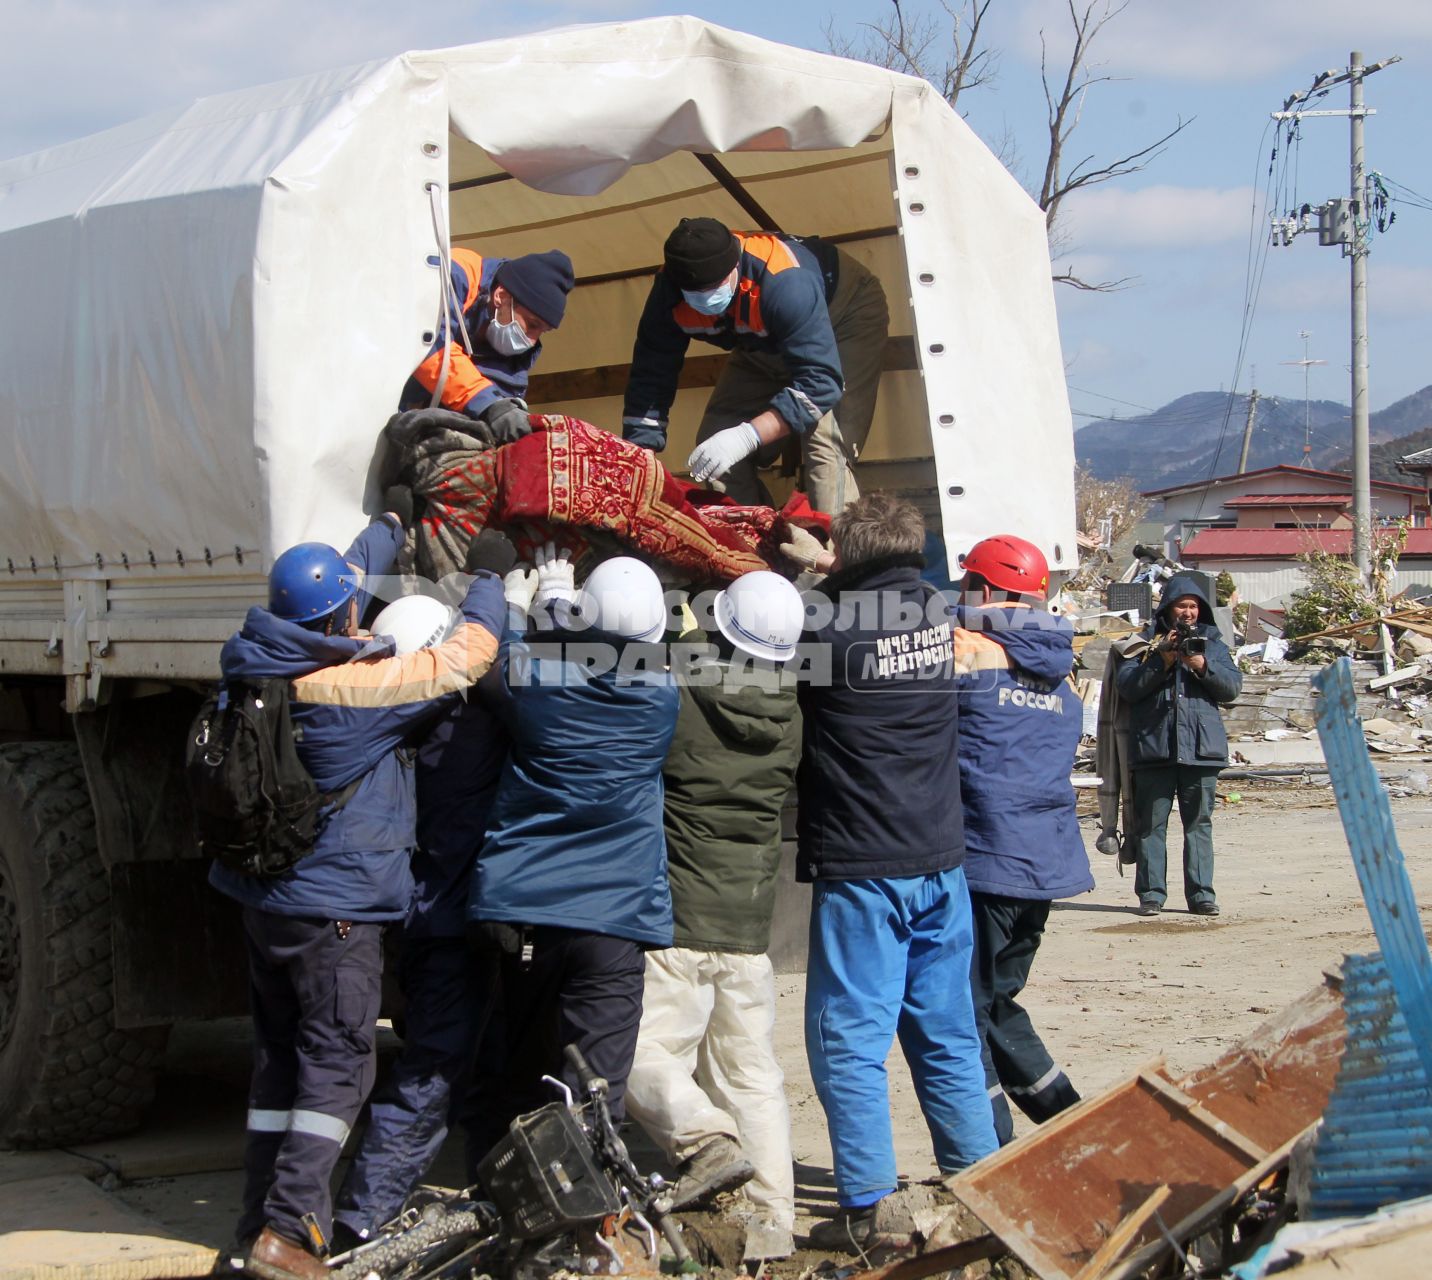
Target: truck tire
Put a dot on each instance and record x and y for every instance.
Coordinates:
(67, 1073)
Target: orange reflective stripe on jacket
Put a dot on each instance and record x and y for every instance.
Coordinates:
(464, 379)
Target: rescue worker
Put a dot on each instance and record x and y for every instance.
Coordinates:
(312, 933)
(806, 324)
(1020, 723)
(445, 1006)
(880, 834)
(570, 887)
(706, 1084)
(498, 309)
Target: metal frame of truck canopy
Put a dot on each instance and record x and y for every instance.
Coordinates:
(209, 310)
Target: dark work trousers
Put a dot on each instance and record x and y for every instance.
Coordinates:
(578, 988)
(1156, 788)
(315, 1002)
(445, 1009)
(1016, 1063)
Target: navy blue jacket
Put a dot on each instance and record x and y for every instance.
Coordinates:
(458, 768)
(879, 777)
(474, 379)
(780, 308)
(1020, 724)
(1173, 714)
(575, 834)
(351, 713)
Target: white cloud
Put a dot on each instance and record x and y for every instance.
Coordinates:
(1227, 40)
(1394, 292)
(1162, 216)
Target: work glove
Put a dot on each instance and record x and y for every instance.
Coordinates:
(495, 936)
(556, 579)
(715, 456)
(507, 421)
(491, 551)
(520, 587)
(398, 499)
(803, 548)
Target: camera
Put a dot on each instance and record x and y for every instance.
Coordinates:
(1187, 643)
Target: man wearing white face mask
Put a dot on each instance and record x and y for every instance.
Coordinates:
(498, 310)
(806, 324)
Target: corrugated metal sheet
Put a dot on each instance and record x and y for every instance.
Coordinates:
(1290, 500)
(1375, 1146)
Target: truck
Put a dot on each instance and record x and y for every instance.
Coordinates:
(208, 316)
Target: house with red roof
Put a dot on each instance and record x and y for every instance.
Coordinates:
(1256, 524)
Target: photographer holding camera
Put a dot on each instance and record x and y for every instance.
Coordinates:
(1177, 742)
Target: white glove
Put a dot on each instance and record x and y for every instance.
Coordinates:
(715, 456)
(556, 579)
(520, 586)
(805, 549)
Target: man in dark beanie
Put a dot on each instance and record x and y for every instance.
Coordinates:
(497, 311)
(806, 324)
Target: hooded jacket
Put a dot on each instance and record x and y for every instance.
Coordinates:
(879, 776)
(729, 773)
(350, 713)
(1020, 724)
(575, 838)
(1173, 713)
(780, 308)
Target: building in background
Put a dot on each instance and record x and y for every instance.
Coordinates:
(1254, 526)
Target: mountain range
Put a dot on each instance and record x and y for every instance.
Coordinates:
(1200, 435)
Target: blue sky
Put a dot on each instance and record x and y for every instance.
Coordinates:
(1181, 228)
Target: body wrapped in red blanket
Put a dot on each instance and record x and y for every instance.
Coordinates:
(572, 480)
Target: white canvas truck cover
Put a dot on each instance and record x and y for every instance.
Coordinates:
(208, 313)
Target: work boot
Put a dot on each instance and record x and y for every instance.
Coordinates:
(1150, 907)
(857, 1230)
(1205, 908)
(275, 1257)
(716, 1167)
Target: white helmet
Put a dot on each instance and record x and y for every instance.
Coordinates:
(762, 614)
(415, 622)
(622, 596)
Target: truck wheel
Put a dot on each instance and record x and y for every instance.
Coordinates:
(67, 1073)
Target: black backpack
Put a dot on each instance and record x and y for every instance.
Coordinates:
(255, 805)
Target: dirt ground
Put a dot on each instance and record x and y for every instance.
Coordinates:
(1109, 991)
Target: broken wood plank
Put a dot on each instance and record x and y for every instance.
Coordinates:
(952, 1257)
(1121, 1237)
(1401, 676)
(1205, 1117)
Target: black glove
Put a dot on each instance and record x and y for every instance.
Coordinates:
(492, 551)
(398, 499)
(507, 420)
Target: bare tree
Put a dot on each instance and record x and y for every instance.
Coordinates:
(1118, 501)
(912, 44)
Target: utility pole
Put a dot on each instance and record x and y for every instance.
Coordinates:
(1357, 197)
(1248, 431)
(1307, 364)
(1346, 223)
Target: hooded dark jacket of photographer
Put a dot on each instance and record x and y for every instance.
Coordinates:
(1173, 713)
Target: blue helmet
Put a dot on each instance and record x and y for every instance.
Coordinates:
(310, 581)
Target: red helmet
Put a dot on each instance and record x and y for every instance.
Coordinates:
(1009, 564)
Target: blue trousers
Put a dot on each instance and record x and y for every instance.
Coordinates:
(315, 999)
(1195, 788)
(445, 1008)
(892, 957)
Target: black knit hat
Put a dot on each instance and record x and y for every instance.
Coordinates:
(700, 253)
(540, 282)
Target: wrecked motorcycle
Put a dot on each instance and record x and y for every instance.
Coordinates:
(559, 1193)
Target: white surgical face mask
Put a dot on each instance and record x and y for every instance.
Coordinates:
(711, 302)
(509, 339)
